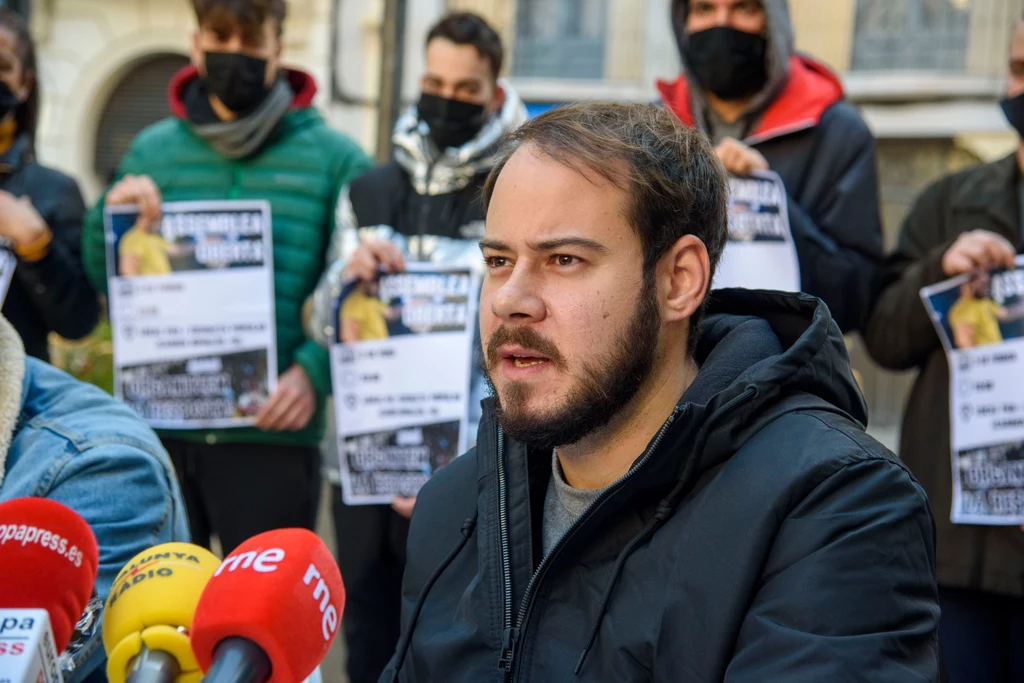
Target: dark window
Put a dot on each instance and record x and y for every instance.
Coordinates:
(918, 35)
(139, 100)
(560, 38)
(22, 7)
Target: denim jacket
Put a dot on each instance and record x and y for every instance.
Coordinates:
(70, 442)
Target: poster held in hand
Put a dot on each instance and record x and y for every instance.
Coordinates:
(980, 321)
(401, 367)
(192, 312)
(760, 253)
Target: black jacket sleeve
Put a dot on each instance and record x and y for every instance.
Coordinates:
(848, 590)
(836, 222)
(899, 334)
(56, 283)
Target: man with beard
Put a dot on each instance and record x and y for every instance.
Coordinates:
(423, 205)
(663, 488)
(767, 108)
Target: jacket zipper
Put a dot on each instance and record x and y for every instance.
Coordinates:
(508, 640)
(511, 634)
(421, 224)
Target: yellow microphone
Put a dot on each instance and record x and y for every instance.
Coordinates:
(148, 616)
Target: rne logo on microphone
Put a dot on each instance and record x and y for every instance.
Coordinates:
(329, 623)
(264, 562)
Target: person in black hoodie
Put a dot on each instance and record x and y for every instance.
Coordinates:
(766, 107)
(646, 502)
(41, 210)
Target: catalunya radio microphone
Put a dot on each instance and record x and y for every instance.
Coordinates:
(149, 614)
(48, 565)
(270, 611)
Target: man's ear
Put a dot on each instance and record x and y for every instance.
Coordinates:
(683, 279)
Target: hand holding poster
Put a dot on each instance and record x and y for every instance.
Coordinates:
(760, 253)
(980, 321)
(401, 371)
(192, 312)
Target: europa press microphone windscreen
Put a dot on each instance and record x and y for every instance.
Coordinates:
(48, 565)
(149, 613)
(270, 611)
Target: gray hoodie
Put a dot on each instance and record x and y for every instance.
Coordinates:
(780, 50)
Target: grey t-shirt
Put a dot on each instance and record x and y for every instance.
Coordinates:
(563, 505)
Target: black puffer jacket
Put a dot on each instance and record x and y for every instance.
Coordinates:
(52, 294)
(762, 537)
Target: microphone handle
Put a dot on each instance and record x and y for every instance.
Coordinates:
(238, 660)
(153, 666)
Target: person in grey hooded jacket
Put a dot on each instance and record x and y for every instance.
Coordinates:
(423, 205)
(768, 108)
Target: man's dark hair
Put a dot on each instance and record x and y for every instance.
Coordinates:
(249, 14)
(466, 28)
(676, 184)
(26, 116)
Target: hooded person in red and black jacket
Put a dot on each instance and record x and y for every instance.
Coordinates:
(767, 108)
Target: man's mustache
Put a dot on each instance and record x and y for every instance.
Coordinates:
(526, 337)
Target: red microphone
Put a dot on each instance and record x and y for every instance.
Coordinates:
(48, 560)
(270, 611)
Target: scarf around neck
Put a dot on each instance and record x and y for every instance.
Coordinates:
(244, 136)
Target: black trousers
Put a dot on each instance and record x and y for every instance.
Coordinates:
(239, 490)
(981, 636)
(371, 556)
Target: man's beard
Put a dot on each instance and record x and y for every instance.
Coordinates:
(602, 390)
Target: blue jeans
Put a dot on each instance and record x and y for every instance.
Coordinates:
(981, 636)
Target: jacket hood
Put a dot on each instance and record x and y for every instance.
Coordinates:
(451, 170)
(780, 37)
(764, 354)
(810, 89)
(301, 83)
(12, 375)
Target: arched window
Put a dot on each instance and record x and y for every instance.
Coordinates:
(139, 100)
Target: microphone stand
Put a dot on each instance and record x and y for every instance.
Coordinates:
(238, 660)
(153, 666)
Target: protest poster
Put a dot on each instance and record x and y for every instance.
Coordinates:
(980, 321)
(192, 312)
(401, 366)
(760, 253)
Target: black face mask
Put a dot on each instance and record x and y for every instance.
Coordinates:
(8, 100)
(239, 81)
(727, 62)
(1013, 107)
(452, 123)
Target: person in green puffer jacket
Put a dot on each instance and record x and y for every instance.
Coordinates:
(244, 128)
